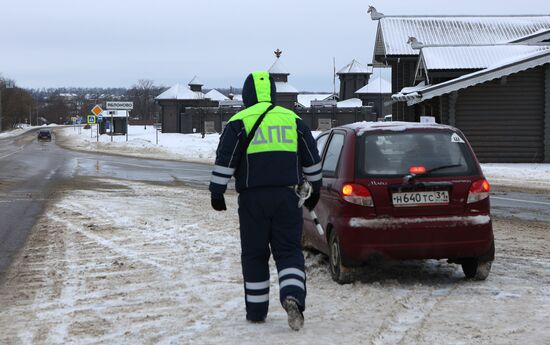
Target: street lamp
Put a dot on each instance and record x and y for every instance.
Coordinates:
(9, 85)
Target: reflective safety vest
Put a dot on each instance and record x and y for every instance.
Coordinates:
(277, 132)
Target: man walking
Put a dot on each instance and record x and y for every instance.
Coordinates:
(269, 150)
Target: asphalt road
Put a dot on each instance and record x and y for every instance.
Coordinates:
(30, 171)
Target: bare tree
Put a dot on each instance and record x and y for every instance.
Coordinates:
(16, 103)
(143, 95)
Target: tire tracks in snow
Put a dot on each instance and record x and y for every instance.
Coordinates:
(408, 316)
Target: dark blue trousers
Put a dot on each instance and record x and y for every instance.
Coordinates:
(270, 221)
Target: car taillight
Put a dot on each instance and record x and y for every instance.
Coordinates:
(357, 194)
(479, 190)
(417, 170)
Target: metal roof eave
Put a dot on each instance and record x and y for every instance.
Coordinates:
(473, 79)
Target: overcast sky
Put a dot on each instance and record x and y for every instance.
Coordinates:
(114, 43)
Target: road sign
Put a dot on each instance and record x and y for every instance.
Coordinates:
(97, 110)
(120, 105)
(100, 119)
(91, 119)
(73, 119)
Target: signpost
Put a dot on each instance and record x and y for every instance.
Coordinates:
(122, 105)
(96, 110)
(158, 127)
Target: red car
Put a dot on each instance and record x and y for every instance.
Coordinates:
(401, 191)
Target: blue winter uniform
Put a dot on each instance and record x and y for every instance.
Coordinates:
(281, 155)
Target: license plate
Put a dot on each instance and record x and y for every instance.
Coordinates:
(409, 199)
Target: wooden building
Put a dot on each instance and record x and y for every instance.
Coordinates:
(353, 77)
(174, 104)
(376, 94)
(499, 96)
(397, 36)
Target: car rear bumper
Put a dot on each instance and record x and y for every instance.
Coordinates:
(415, 238)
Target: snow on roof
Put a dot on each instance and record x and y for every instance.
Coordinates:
(394, 126)
(278, 68)
(377, 85)
(179, 91)
(537, 37)
(195, 81)
(499, 69)
(350, 103)
(441, 30)
(238, 97)
(473, 57)
(215, 95)
(355, 67)
(305, 99)
(283, 87)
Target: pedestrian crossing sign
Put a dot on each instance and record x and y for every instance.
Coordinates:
(91, 119)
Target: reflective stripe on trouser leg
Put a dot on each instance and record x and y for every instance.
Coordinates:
(286, 238)
(292, 282)
(254, 229)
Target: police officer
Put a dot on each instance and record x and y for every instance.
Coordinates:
(281, 152)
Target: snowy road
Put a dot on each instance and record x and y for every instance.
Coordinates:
(30, 172)
(115, 261)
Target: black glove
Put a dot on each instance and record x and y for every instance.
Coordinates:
(218, 202)
(312, 201)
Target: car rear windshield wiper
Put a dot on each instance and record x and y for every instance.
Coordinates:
(410, 177)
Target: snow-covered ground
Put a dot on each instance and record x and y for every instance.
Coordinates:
(192, 147)
(121, 262)
(142, 142)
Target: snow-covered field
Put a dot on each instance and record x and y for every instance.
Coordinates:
(192, 147)
(133, 263)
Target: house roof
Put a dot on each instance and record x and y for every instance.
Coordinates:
(278, 68)
(539, 36)
(350, 103)
(181, 92)
(283, 87)
(473, 57)
(502, 68)
(377, 85)
(355, 67)
(305, 99)
(215, 95)
(394, 31)
(195, 81)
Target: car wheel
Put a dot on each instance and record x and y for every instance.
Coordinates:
(340, 273)
(474, 269)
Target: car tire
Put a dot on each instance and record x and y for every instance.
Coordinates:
(340, 273)
(475, 269)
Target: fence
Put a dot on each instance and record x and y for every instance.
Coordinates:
(207, 120)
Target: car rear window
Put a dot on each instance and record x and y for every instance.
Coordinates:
(394, 153)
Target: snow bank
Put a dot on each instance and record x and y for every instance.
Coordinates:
(18, 131)
(142, 143)
(534, 176)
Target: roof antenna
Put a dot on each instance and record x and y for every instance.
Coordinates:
(415, 44)
(374, 14)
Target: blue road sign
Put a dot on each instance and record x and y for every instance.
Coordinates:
(100, 119)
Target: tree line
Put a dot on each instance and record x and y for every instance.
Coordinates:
(58, 105)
